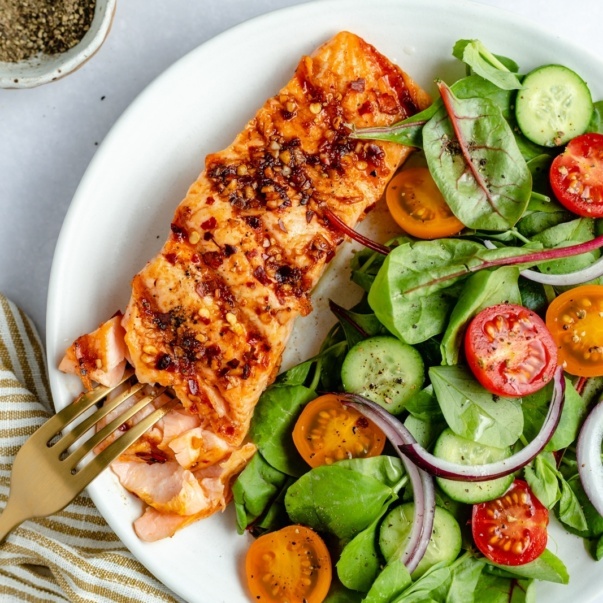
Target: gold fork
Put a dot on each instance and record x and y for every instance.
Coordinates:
(47, 474)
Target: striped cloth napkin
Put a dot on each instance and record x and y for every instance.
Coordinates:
(72, 556)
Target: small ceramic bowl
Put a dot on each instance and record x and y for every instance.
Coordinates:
(44, 68)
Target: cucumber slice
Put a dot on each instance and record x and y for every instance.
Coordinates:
(444, 545)
(554, 105)
(384, 370)
(452, 447)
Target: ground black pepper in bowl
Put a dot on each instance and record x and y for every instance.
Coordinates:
(31, 27)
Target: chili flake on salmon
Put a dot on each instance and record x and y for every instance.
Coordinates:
(211, 314)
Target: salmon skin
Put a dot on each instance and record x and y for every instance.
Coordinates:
(210, 315)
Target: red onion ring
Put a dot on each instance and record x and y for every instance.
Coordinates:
(403, 440)
(588, 456)
(422, 483)
(422, 526)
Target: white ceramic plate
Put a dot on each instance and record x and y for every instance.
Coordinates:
(123, 207)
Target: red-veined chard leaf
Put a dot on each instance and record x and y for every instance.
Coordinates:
(474, 159)
(409, 294)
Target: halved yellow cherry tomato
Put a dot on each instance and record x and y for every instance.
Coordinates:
(327, 431)
(575, 320)
(416, 204)
(292, 564)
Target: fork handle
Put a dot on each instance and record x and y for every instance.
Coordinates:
(11, 517)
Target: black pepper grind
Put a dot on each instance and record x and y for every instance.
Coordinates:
(31, 27)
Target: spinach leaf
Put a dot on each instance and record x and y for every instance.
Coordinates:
(272, 425)
(417, 319)
(598, 550)
(570, 511)
(541, 476)
(360, 561)
(334, 499)
(453, 584)
(539, 168)
(533, 296)
(328, 368)
(390, 582)
(481, 290)
(491, 588)
(593, 521)
(547, 567)
(255, 489)
(340, 594)
(578, 230)
(422, 589)
(472, 155)
(424, 405)
(473, 412)
(296, 375)
(536, 406)
(481, 61)
(596, 121)
(318, 369)
(537, 221)
(465, 576)
(551, 488)
(387, 469)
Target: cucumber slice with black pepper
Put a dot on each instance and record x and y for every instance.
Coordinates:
(553, 106)
(384, 370)
(444, 544)
(456, 449)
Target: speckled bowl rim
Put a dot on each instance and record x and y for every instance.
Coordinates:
(43, 69)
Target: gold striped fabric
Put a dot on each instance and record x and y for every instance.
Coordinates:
(72, 556)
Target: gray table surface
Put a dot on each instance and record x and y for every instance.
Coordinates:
(48, 135)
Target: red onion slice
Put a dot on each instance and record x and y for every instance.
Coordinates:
(422, 526)
(422, 483)
(400, 437)
(588, 455)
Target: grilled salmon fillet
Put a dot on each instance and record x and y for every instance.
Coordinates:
(210, 315)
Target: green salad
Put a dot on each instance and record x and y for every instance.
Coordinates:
(450, 415)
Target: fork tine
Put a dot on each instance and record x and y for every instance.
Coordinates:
(81, 428)
(60, 420)
(102, 460)
(82, 450)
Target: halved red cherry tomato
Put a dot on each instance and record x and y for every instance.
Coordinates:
(511, 530)
(292, 564)
(575, 319)
(418, 207)
(327, 431)
(576, 176)
(510, 350)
